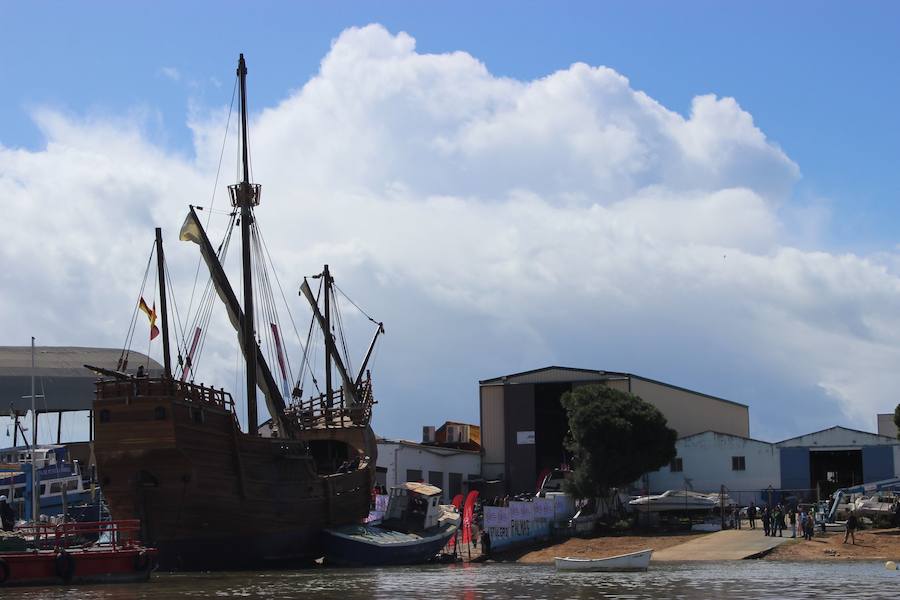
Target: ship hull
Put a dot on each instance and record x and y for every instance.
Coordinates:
(209, 496)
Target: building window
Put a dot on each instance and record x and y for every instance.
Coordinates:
(104, 416)
(159, 413)
(414, 475)
(455, 485)
(676, 466)
(738, 463)
(436, 478)
(197, 416)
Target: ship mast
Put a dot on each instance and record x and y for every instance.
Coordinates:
(247, 197)
(161, 274)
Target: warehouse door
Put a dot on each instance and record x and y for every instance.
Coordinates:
(835, 469)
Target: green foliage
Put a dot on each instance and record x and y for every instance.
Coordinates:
(897, 420)
(615, 437)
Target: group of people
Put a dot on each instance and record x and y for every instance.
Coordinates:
(775, 520)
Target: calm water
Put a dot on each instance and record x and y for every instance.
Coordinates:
(733, 580)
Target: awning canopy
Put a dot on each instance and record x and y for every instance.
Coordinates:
(60, 376)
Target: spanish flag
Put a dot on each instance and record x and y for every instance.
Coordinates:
(151, 314)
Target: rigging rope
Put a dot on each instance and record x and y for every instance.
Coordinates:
(126, 348)
(212, 201)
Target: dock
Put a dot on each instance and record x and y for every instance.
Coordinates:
(733, 544)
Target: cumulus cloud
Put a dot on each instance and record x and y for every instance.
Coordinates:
(495, 225)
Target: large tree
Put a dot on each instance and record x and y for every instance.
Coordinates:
(615, 437)
(897, 420)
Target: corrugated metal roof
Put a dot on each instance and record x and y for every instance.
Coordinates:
(557, 374)
(60, 375)
(553, 374)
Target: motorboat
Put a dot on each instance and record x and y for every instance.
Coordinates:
(680, 500)
(415, 528)
(633, 561)
(60, 480)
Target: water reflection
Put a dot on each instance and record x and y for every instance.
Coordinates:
(733, 580)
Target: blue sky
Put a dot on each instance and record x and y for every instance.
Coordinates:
(781, 300)
(818, 77)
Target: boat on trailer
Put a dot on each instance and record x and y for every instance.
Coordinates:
(37, 555)
(680, 501)
(414, 529)
(633, 561)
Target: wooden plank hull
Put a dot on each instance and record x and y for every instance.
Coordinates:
(208, 495)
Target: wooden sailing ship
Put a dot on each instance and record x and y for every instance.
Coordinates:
(209, 495)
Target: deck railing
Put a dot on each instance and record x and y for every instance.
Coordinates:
(336, 412)
(181, 390)
(113, 534)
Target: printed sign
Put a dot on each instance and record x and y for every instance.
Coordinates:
(496, 516)
(521, 511)
(524, 437)
(543, 509)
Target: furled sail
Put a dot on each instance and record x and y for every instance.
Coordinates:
(192, 231)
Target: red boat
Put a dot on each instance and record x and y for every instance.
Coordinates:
(65, 554)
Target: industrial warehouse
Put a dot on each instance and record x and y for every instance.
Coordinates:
(523, 426)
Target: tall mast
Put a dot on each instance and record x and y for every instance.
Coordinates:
(329, 341)
(247, 195)
(161, 274)
(35, 497)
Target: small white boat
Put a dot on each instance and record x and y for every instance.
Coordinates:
(634, 561)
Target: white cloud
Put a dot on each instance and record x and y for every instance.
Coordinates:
(170, 73)
(495, 225)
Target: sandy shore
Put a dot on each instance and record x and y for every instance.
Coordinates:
(871, 544)
(597, 547)
(876, 544)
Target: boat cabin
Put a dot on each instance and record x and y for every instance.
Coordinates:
(413, 507)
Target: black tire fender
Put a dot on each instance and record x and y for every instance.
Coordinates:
(4, 571)
(65, 566)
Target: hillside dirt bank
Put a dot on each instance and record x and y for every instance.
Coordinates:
(871, 544)
(597, 547)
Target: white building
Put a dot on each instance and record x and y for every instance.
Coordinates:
(446, 468)
(706, 461)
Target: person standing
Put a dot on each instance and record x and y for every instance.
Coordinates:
(766, 520)
(852, 525)
(7, 516)
(751, 515)
(810, 525)
(779, 520)
(792, 516)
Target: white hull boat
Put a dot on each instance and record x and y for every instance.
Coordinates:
(635, 561)
(679, 500)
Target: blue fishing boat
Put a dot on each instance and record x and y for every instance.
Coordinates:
(60, 482)
(415, 528)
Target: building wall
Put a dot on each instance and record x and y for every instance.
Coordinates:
(399, 457)
(521, 466)
(493, 437)
(689, 413)
(707, 465)
(886, 425)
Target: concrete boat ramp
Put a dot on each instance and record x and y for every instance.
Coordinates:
(733, 544)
